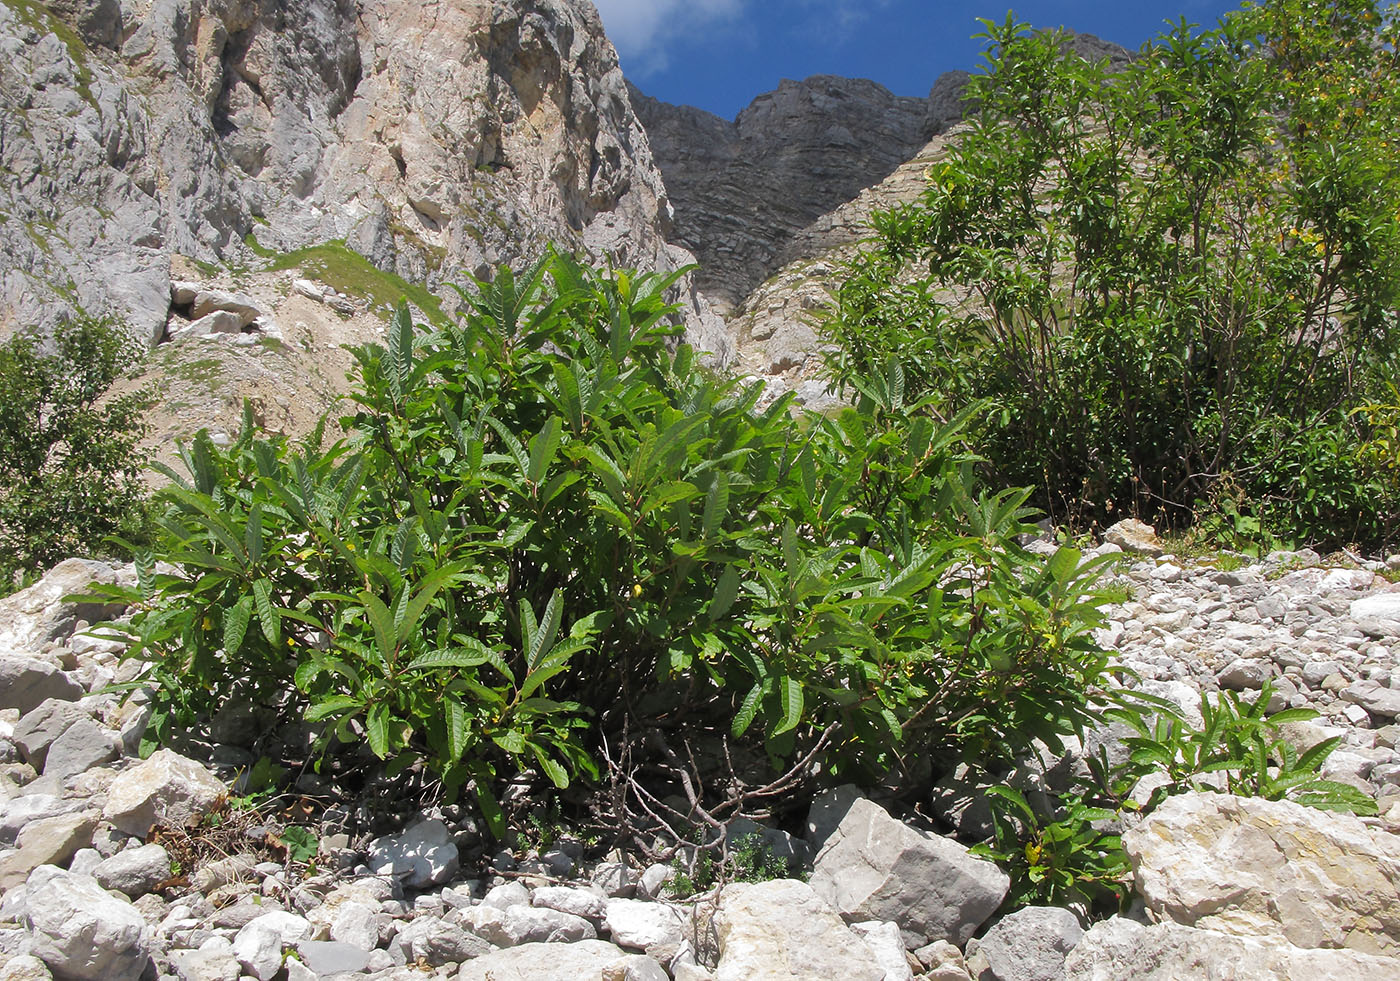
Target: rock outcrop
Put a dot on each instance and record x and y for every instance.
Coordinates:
(429, 138)
(743, 189)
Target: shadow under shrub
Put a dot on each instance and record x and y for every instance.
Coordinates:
(551, 539)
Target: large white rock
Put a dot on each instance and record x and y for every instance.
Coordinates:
(1381, 606)
(1249, 866)
(887, 945)
(213, 961)
(259, 944)
(1119, 949)
(421, 856)
(436, 942)
(782, 930)
(81, 931)
(578, 902)
(1132, 535)
(874, 867)
(545, 962)
(33, 618)
(642, 925)
(166, 789)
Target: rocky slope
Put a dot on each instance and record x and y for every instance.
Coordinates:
(428, 137)
(100, 880)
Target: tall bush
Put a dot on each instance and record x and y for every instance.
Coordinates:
(1173, 280)
(70, 463)
(551, 537)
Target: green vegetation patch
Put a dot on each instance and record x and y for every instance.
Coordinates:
(348, 272)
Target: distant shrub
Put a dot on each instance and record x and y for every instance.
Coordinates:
(1174, 276)
(70, 466)
(551, 537)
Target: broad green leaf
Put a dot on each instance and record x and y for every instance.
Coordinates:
(377, 730)
(455, 721)
(382, 622)
(236, 625)
(552, 769)
(726, 592)
(791, 701)
(268, 617)
(510, 741)
(543, 448)
(716, 506)
(547, 629)
(1063, 564)
(334, 705)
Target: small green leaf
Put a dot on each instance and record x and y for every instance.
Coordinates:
(747, 710)
(490, 810)
(726, 592)
(377, 729)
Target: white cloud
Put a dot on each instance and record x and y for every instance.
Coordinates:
(642, 29)
(840, 15)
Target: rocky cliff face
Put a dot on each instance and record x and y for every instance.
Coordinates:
(429, 137)
(743, 190)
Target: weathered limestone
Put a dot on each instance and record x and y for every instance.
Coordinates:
(1254, 867)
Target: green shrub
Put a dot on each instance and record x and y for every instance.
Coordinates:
(69, 463)
(1174, 276)
(551, 536)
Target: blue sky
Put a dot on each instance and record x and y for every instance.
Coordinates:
(719, 54)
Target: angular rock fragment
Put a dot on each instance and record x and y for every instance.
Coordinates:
(166, 789)
(874, 867)
(81, 931)
(1118, 949)
(782, 930)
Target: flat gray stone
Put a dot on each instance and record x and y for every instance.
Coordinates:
(134, 871)
(26, 682)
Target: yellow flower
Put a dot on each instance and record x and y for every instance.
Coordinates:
(208, 624)
(636, 590)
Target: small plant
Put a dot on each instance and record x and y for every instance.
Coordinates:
(1075, 856)
(301, 844)
(1239, 748)
(749, 858)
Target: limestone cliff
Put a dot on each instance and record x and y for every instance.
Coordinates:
(742, 190)
(429, 137)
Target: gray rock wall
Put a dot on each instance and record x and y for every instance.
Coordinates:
(742, 190)
(431, 137)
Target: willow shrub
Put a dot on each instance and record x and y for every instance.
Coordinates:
(549, 520)
(1176, 280)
